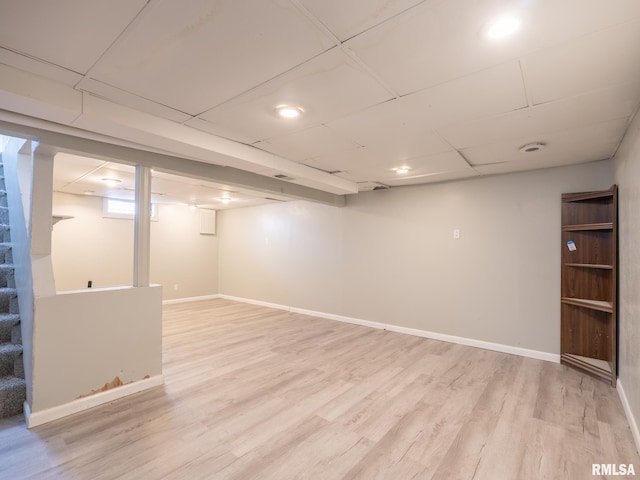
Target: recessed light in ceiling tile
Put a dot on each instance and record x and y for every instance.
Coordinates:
(502, 27)
(402, 169)
(532, 147)
(289, 111)
(112, 182)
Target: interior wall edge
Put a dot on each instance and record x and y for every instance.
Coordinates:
(633, 424)
(469, 342)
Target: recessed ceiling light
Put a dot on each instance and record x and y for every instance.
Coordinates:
(532, 147)
(503, 27)
(112, 182)
(225, 199)
(289, 111)
(402, 169)
(89, 192)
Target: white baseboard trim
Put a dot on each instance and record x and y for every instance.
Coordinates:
(633, 424)
(34, 419)
(190, 299)
(497, 347)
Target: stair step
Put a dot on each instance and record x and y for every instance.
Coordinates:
(10, 318)
(9, 353)
(10, 349)
(8, 322)
(8, 292)
(13, 393)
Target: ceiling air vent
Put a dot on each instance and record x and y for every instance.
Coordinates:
(368, 186)
(284, 177)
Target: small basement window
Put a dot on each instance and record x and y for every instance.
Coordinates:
(113, 208)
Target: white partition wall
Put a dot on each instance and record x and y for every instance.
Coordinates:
(85, 347)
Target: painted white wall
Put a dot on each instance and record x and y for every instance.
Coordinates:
(390, 256)
(181, 255)
(627, 174)
(88, 246)
(92, 247)
(84, 340)
(75, 343)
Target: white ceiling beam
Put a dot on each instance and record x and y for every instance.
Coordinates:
(229, 176)
(31, 95)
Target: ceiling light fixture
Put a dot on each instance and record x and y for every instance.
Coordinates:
(112, 182)
(89, 192)
(503, 27)
(401, 170)
(289, 111)
(532, 147)
(225, 200)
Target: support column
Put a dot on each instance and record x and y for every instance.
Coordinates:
(142, 236)
(41, 201)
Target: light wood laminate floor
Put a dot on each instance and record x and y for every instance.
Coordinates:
(256, 393)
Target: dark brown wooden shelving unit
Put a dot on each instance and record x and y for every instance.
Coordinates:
(589, 283)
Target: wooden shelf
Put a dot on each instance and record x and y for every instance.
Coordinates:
(588, 327)
(588, 226)
(592, 304)
(590, 265)
(579, 197)
(591, 366)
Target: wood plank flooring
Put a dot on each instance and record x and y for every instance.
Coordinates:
(256, 393)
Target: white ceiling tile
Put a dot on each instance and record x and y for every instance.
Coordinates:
(360, 169)
(390, 152)
(594, 107)
(582, 144)
(220, 130)
(133, 101)
(441, 40)
(348, 18)
(69, 33)
(43, 69)
(69, 168)
(311, 142)
(489, 92)
(194, 58)
(463, 172)
(605, 58)
(328, 86)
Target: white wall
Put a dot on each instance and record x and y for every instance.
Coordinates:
(627, 174)
(85, 340)
(92, 247)
(180, 255)
(390, 256)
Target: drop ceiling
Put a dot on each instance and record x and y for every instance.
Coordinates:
(79, 175)
(382, 83)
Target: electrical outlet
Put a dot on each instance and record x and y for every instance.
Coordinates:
(456, 233)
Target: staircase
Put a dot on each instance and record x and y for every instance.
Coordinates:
(12, 383)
